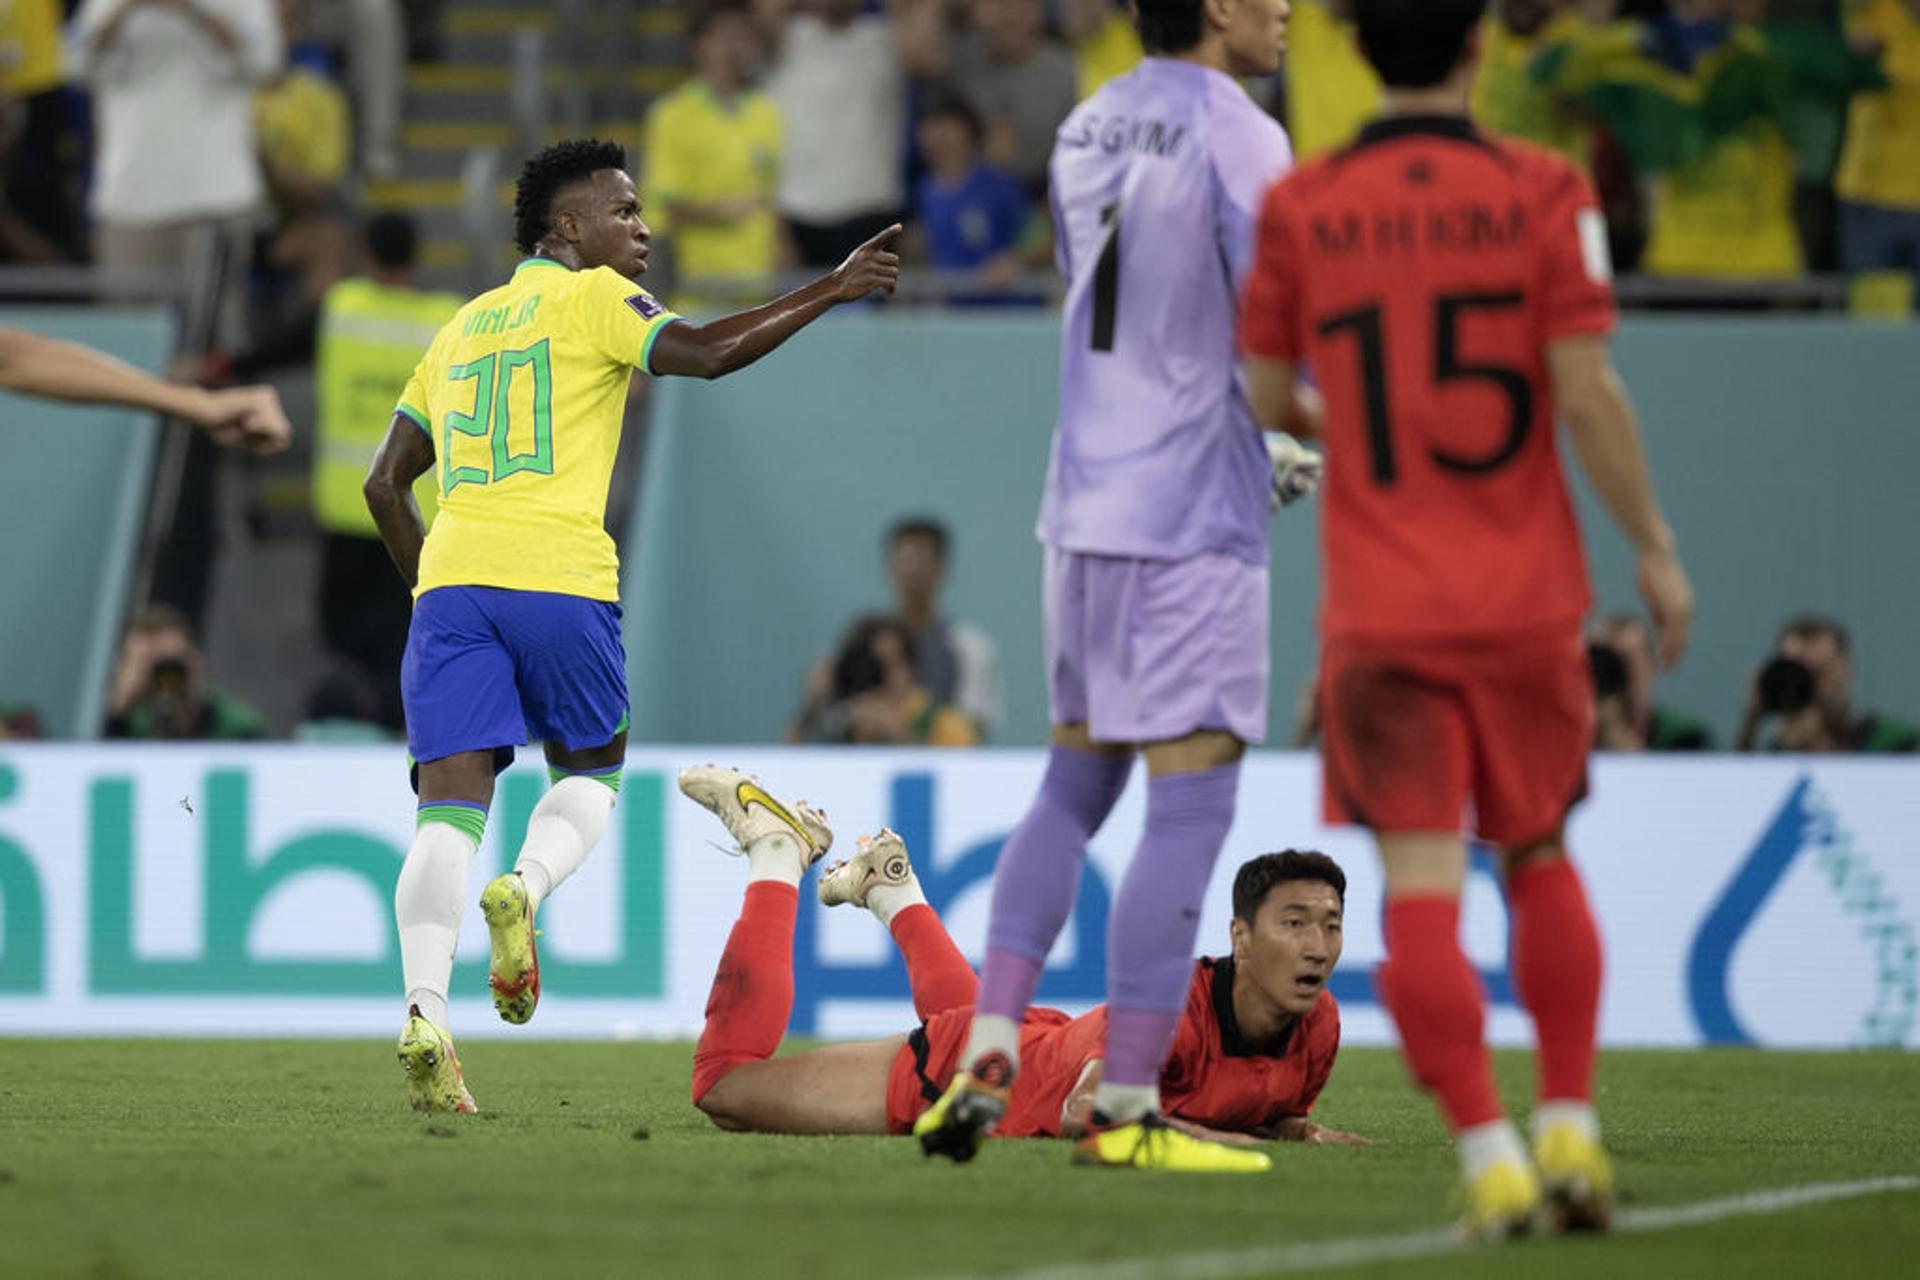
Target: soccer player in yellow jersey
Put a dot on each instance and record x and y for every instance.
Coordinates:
(517, 407)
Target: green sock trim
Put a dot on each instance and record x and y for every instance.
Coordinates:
(610, 779)
(464, 818)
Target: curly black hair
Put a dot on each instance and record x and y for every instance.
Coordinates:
(1257, 877)
(546, 173)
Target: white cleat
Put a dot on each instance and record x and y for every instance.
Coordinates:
(750, 813)
(882, 860)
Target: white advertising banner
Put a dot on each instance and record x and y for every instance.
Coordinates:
(228, 890)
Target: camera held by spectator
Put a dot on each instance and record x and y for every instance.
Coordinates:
(160, 689)
(1626, 717)
(868, 694)
(1805, 687)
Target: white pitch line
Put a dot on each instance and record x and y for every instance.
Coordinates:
(1360, 1250)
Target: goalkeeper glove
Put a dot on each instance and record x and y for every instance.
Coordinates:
(1296, 468)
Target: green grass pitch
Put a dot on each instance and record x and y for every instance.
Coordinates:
(204, 1159)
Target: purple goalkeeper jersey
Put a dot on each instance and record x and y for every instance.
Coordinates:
(1156, 185)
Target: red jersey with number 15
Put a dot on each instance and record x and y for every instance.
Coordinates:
(1421, 275)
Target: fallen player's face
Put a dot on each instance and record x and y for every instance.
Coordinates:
(1295, 942)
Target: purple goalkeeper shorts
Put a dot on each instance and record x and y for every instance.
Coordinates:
(1153, 650)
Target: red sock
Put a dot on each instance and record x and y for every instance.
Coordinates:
(1554, 952)
(752, 994)
(940, 976)
(1436, 1002)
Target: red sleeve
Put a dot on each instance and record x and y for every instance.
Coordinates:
(1578, 268)
(1323, 1046)
(1270, 309)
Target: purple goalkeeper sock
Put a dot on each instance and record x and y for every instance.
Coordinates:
(1038, 877)
(1156, 916)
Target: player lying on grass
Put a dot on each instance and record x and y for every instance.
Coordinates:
(1254, 1047)
(47, 368)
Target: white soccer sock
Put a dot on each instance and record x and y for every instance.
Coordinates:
(427, 903)
(1559, 1111)
(1486, 1145)
(992, 1033)
(566, 824)
(776, 857)
(1125, 1103)
(888, 900)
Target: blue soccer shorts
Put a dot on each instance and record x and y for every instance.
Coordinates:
(488, 669)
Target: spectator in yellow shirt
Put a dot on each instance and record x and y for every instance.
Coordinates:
(1331, 91)
(303, 128)
(1728, 214)
(302, 124)
(1508, 99)
(32, 74)
(713, 165)
(1879, 178)
(1104, 41)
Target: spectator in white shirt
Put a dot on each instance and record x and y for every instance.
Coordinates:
(838, 80)
(176, 177)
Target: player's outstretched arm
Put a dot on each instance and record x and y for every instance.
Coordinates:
(403, 457)
(734, 342)
(1606, 438)
(249, 417)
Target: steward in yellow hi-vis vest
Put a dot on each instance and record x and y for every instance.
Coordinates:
(370, 337)
(367, 337)
(515, 411)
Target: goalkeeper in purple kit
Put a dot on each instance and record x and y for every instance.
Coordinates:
(1154, 522)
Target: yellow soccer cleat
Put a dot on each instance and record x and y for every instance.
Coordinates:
(514, 973)
(1151, 1143)
(1575, 1178)
(959, 1122)
(433, 1071)
(1502, 1203)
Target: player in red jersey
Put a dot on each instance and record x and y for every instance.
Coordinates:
(1451, 294)
(1253, 1049)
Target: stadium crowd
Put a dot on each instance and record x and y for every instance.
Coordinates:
(1732, 140)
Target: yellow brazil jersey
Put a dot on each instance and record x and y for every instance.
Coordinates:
(1331, 91)
(29, 47)
(701, 150)
(1507, 100)
(302, 124)
(523, 394)
(1881, 163)
(1111, 49)
(1729, 213)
